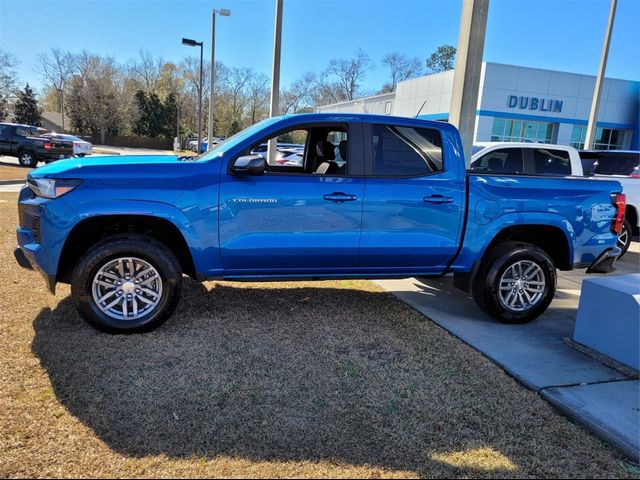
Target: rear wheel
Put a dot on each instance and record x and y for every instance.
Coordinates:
(27, 159)
(127, 284)
(624, 239)
(515, 283)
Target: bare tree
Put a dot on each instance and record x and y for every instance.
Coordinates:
(8, 65)
(401, 68)
(258, 97)
(147, 70)
(299, 95)
(238, 80)
(57, 67)
(96, 95)
(350, 72)
(326, 93)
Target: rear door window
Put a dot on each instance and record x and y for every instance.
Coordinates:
(502, 160)
(551, 162)
(617, 163)
(405, 151)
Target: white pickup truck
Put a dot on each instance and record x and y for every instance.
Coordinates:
(512, 158)
(623, 166)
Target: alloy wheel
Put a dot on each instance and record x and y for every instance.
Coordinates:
(127, 288)
(522, 286)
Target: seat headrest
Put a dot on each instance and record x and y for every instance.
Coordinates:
(343, 149)
(495, 164)
(325, 150)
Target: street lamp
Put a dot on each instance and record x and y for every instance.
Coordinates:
(223, 12)
(193, 43)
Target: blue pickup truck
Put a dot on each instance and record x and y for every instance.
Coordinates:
(375, 197)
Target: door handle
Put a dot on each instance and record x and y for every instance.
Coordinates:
(438, 199)
(339, 197)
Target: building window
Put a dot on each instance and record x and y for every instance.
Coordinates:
(605, 139)
(387, 108)
(507, 130)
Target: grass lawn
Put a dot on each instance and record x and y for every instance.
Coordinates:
(9, 171)
(328, 379)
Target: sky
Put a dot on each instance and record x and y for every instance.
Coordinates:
(561, 35)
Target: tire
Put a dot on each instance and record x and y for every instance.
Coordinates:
(510, 260)
(146, 302)
(624, 239)
(27, 159)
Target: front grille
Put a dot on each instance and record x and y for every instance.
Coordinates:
(35, 228)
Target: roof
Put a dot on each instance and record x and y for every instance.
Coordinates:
(521, 144)
(364, 117)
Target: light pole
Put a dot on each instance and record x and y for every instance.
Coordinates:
(275, 79)
(223, 12)
(592, 125)
(466, 77)
(193, 43)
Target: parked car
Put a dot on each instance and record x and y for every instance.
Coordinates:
(623, 166)
(123, 231)
(205, 143)
(27, 144)
(289, 154)
(80, 147)
(513, 158)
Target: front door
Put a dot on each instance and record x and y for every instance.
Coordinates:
(302, 217)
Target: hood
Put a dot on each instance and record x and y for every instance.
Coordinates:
(77, 166)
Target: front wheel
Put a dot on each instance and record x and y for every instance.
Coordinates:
(27, 159)
(624, 239)
(127, 284)
(515, 283)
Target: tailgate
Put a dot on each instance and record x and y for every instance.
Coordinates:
(61, 147)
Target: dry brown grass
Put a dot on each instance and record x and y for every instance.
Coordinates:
(330, 379)
(10, 171)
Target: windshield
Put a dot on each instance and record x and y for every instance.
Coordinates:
(235, 139)
(476, 148)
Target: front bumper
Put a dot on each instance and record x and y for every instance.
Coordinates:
(28, 255)
(605, 263)
(44, 226)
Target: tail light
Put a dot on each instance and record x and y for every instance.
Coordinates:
(48, 147)
(620, 201)
(635, 173)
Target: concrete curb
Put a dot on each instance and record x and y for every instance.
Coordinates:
(16, 181)
(603, 409)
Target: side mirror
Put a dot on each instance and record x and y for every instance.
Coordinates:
(249, 165)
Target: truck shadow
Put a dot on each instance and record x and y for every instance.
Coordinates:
(319, 374)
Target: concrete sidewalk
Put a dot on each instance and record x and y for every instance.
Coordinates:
(604, 400)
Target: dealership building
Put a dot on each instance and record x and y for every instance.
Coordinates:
(518, 104)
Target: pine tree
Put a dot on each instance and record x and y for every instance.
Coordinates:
(26, 108)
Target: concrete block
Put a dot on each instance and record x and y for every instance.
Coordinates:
(608, 318)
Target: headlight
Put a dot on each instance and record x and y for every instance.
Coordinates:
(52, 187)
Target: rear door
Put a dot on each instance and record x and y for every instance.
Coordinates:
(547, 161)
(414, 201)
(6, 133)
